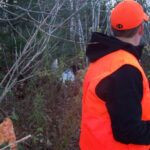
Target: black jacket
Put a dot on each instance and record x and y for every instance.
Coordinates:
(122, 91)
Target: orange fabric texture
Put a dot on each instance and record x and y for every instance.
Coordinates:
(96, 132)
(127, 14)
(7, 133)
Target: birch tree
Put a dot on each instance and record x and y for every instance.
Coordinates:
(44, 26)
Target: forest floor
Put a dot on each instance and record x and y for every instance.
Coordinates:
(49, 111)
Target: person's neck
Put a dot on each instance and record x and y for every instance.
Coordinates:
(134, 40)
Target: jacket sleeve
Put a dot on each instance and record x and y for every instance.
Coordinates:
(123, 91)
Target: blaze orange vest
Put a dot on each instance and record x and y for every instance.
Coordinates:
(96, 131)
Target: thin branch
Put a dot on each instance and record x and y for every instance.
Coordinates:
(18, 141)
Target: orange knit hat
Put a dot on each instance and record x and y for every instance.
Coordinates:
(127, 14)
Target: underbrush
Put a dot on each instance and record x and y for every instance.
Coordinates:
(50, 111)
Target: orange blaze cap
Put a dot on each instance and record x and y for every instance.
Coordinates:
(127, 14)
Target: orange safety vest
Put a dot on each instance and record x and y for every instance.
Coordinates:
(96, 131)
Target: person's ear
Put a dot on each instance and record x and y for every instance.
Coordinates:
(141, 29)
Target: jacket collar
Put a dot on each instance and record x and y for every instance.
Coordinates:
(101, 45)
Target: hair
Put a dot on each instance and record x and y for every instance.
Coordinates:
(125, 33)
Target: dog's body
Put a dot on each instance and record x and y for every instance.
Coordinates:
(7, 133)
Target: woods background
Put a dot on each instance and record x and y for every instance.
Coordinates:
(41, 42)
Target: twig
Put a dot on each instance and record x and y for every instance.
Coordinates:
(19, 141)
(3, 112)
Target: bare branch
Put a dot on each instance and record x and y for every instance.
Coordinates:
(17, 142)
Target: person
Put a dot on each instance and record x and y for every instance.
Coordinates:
(116, 94)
